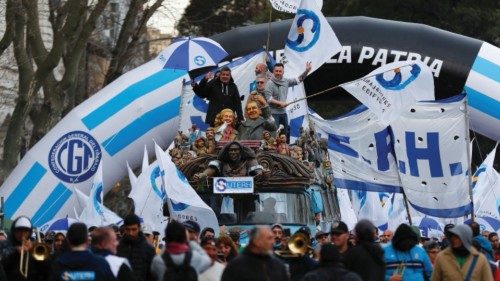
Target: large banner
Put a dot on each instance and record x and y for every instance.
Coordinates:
(486, 189)
(430, 141)
(111, 128)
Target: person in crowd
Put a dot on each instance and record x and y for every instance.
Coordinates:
(3, 235)
(256, 263)
(117, 231)
(148, 234)
(460, 260)
(235, 234)
(79, 263)
(104, 244)
(279, 242)
(323, 238)
(261, 69)
(227, 249)
(404, 259)
(214, 272)
(331, 267)
(59, 244)
(303, 263)
(135, 248)
(258, 120)
(193, 230)
(339, 236)
(367, 257)
(276, 92)
(221, 92)
(495, 245)
(485, 233)
(207, 232)
(486, 248)
(386, 236)
(257, 95)
(18, 243)
(181, 258)
(432, 248)
(445, 242)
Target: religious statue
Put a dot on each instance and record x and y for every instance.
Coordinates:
(296, 152)
(282, 145)
(257, 120)
(194, 134)
(200, 146)
(225, 124)
(234, 160)
(267, 142)
(210, 140)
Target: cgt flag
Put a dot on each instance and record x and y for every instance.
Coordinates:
(486, 189)
(185, 203)
(311, 39)
(390, 89)
(290, 6)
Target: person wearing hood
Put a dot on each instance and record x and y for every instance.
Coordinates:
(486, 247)
(404, 259)
(79, 263)
(10, 253)
(276, 92)
(367, 257)
(221, 92)
(460, 260)
(179, 252)
(135, 248)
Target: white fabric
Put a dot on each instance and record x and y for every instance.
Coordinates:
(115, 263)
(213, 273)
(388, 100)
(319, 42)
(186, 204)
(486, 191)
(290, 6)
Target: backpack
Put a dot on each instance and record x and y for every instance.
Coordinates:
(183, 272)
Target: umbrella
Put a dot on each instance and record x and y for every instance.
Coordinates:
(57, 225)
(486, 223)
(193, 54)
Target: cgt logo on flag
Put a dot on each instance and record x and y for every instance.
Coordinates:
(200, 60)
(306, 38)
(75, 157)
(396, 82)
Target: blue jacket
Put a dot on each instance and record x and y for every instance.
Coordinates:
(485, 246)
(81, 265)
(416, 263)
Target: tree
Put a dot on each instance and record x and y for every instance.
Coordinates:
(53, 72)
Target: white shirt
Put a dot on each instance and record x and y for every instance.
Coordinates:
(213, 273)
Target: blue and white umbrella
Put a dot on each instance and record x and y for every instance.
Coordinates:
(57, 225)
(428, 226)
(486, 223)
(193, 53)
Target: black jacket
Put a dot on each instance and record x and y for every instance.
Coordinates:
(252, 267)
(139, 253)
(124, 272)
(367, 261)
(71, 264)
(217, 101)
(331, 273)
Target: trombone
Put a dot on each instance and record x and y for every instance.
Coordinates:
(40, 250)
(24, 259)
(298, 246)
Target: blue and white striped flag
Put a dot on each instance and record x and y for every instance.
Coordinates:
(110, 127)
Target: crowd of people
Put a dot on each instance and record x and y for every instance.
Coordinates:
(131, 252)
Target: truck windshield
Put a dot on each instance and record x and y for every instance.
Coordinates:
(260, 208)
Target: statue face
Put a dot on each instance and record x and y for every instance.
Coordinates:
(267, 135)
(228, 116)
(282, 138)
(252, 110)
(210, 134)
(234, 153)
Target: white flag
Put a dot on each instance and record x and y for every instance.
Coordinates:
(311, 39)
(487, 189)
(290, 6)
(186, 203)
(148, 195)
(95, 213)
(297, 112)
(392, 88)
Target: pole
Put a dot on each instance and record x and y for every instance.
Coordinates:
(269, 28)
(407, 207)
(469, 173)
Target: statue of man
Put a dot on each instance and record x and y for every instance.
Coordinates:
(258, 120)
(234, 160)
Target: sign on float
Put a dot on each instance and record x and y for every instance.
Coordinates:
(229, 185)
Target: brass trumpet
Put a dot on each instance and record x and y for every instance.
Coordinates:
(40, 250)
(298, 245)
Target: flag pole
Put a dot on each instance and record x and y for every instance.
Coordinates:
(469, 164)
(269, 28)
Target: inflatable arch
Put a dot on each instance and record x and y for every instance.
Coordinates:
(458, 62)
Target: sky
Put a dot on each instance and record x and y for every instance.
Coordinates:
(168, 15)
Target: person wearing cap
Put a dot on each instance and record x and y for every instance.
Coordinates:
(404, 259)
(59, 244)
(10, 253)
(340, 236)
(178, 250)
(367, 257)
(104, 243)
(148, 234)
(207, 232)
(460, 260)
(135, 248)
(214, 272)
(257, 263)
(303, 263)
(79, 263)
(277, 230)
(193, 230)
(323, 238)
(330, 264)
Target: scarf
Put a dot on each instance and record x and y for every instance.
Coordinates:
(175, 248)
